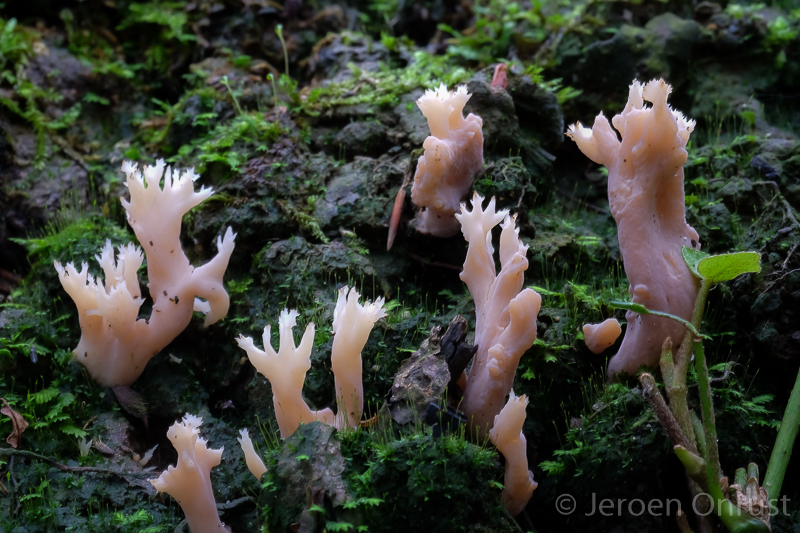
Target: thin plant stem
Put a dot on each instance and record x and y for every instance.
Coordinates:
(279, 31)
(709, 425)
(675, 378)
(227, 85)
(274, 97)
(782, 450)
(731, 516)
(682, 362)
(678, 403)
(676, 384)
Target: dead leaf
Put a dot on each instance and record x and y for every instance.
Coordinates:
(19, 424)
(101, 447)
(132, 402)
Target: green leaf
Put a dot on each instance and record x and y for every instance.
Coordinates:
(73, 431)
(339, 526)
(55, 415)
(546, 292)
(553, 467)
(692, 257)
(93, 98)
(353, 504)
(44, 395)
(724, 267)
(68, 117)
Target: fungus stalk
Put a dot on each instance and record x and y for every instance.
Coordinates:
(645, 193)
(189, 482)
(453, 155)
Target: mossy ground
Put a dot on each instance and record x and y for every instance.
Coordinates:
(305, 131)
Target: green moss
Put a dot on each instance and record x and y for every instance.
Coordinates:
(198, 131)
(232, 144)
(170, 18)
(385, 87)
(74, 240)
(446, 483)
(90, 47)
(730, 197)
(438, 476)
(501, 24)
(616, 440)
(305, 221)
(27, 99)
(87, 502)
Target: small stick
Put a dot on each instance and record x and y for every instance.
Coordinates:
(397, 210)
(683, 522)
(664, 415)
(786, 205)
(65, 468)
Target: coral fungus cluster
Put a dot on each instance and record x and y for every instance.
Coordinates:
(646, 198)
(286, 369)
(505, 313)
(115, 344)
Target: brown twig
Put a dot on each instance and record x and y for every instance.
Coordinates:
(235, 503)
(522, 193)
(14, 485)
(723, 378)
(71, 469)
(683, 522)
(70, 151)
(792, 250)
(664, 415)
(786, 205)
(775, 282)
(419, 259)
(668, 421)
(794, 222)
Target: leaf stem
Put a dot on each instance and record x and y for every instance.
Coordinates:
(784, 442)
(709, 426)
